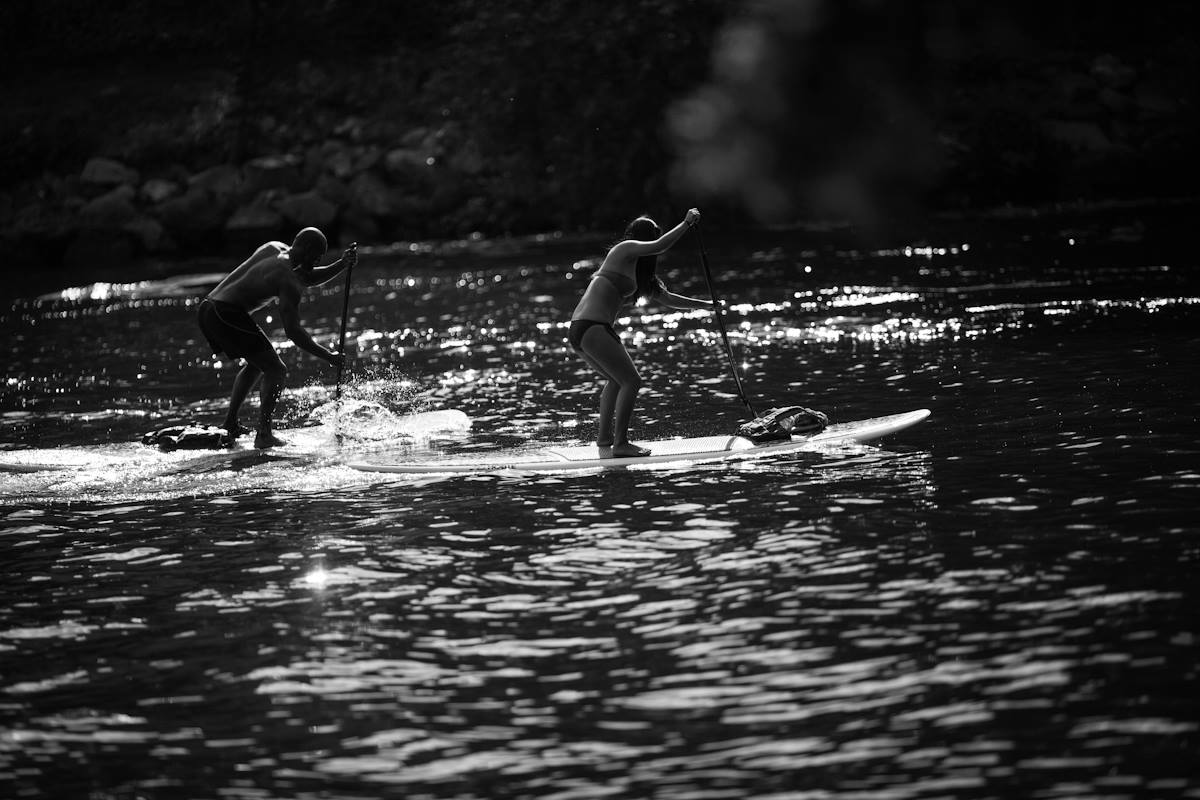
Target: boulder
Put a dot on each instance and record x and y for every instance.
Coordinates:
(369, 193)
(307, 208)
(1110, 70)
(254, 223)
(45, 220)
(1154, 101)
(223, 182)
(332, 189)
(468, 159)
(313, 165)
(350, 128)
(110, 210)
(1086, 137)
(106, 172)
(367, 158)
(192, 218)
(408, 165)
(383, 129)
(273, 172)
(1115, 100)
(340, 164)
(259, 215)
(38, 234)
(156, 190)
(416, 138)
(149, 233)
(446, 190)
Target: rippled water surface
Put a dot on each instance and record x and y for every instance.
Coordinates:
(998, 602)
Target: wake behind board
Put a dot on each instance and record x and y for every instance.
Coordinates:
(314, 443)
(705, 449)
(124, 456)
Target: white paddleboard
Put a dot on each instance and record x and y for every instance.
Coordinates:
(696, 450)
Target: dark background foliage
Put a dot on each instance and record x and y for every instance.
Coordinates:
(574, 114)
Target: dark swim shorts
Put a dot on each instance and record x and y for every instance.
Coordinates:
(229, 329)
(580, 326)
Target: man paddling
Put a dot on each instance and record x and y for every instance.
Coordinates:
(275, 271)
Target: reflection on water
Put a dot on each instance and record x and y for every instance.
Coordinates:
(996, 603)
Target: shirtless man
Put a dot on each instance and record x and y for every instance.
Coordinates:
(275, 271)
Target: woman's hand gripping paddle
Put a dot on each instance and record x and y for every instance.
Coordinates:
(721, 324)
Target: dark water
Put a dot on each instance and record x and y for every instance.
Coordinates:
(999, 602)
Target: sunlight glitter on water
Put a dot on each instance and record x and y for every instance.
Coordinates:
(996, 600)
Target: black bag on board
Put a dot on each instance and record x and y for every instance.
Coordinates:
(781, 424)
(188, 437)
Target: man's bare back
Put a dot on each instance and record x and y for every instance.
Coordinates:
(259, 279)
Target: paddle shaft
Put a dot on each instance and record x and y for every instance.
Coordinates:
(337, 391)
(712, 292)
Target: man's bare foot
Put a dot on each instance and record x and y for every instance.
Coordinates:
(236, 429)
(264, 440)
(628, 450)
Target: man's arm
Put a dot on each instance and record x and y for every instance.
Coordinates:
(328, 272)
(289, 312)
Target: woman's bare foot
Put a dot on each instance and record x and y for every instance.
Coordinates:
(268, 439)
(627, 450)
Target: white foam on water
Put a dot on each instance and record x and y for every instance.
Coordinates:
(351, 420)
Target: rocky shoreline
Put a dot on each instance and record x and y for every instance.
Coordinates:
(351, 187)
(1096, 129)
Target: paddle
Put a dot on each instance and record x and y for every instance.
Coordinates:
(712, 292)
(337, 391)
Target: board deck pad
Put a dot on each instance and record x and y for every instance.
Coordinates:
(664, 447)
(695, 450)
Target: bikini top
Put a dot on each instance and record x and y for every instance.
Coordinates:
(617, 280)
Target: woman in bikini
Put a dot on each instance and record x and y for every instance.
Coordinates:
(627, 274)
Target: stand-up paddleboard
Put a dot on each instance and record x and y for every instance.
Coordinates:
(697, 450)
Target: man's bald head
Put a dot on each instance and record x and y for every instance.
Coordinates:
(309, 245)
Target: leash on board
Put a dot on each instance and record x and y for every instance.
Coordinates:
(712, 292)
(337, 390)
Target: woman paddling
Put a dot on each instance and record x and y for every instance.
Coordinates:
(626, 275)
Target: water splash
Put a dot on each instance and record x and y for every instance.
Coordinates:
(354, 420)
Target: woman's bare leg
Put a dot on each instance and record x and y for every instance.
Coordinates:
(608, 400)
(610, 358)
